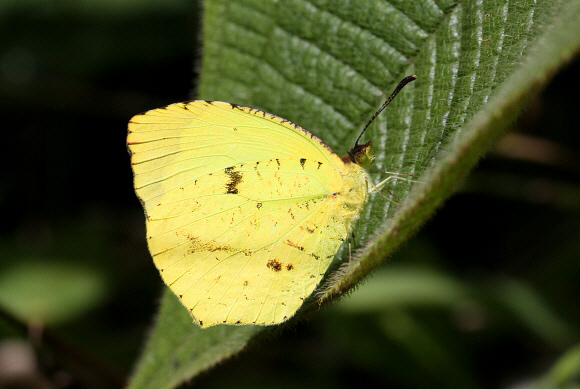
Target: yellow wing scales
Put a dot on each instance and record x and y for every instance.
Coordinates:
(245, 210)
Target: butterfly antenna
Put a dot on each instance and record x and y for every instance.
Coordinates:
(401, 85)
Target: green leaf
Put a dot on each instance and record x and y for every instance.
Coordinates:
(178, 349)
(49, 290)
(327, 66)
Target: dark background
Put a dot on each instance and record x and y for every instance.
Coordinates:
(71, 77)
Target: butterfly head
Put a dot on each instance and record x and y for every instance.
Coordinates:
(363, 155)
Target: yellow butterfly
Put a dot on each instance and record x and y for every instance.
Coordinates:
(244, 210)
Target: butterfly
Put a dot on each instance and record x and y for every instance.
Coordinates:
(244, 210)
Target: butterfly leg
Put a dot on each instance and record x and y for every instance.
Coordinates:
(351, 242)
(377, 188)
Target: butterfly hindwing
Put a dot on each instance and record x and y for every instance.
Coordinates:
(241, 220)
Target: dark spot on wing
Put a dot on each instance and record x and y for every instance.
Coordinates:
(259, 205)
(319, 163)
(289, 267)
(235, 179)
(302, 162)
(195, 245)
(274, 264)
(256, 169)
(290, 243)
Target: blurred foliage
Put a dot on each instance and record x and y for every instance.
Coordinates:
(40, 290)
(485, 296)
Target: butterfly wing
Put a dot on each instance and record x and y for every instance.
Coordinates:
(241, 218)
